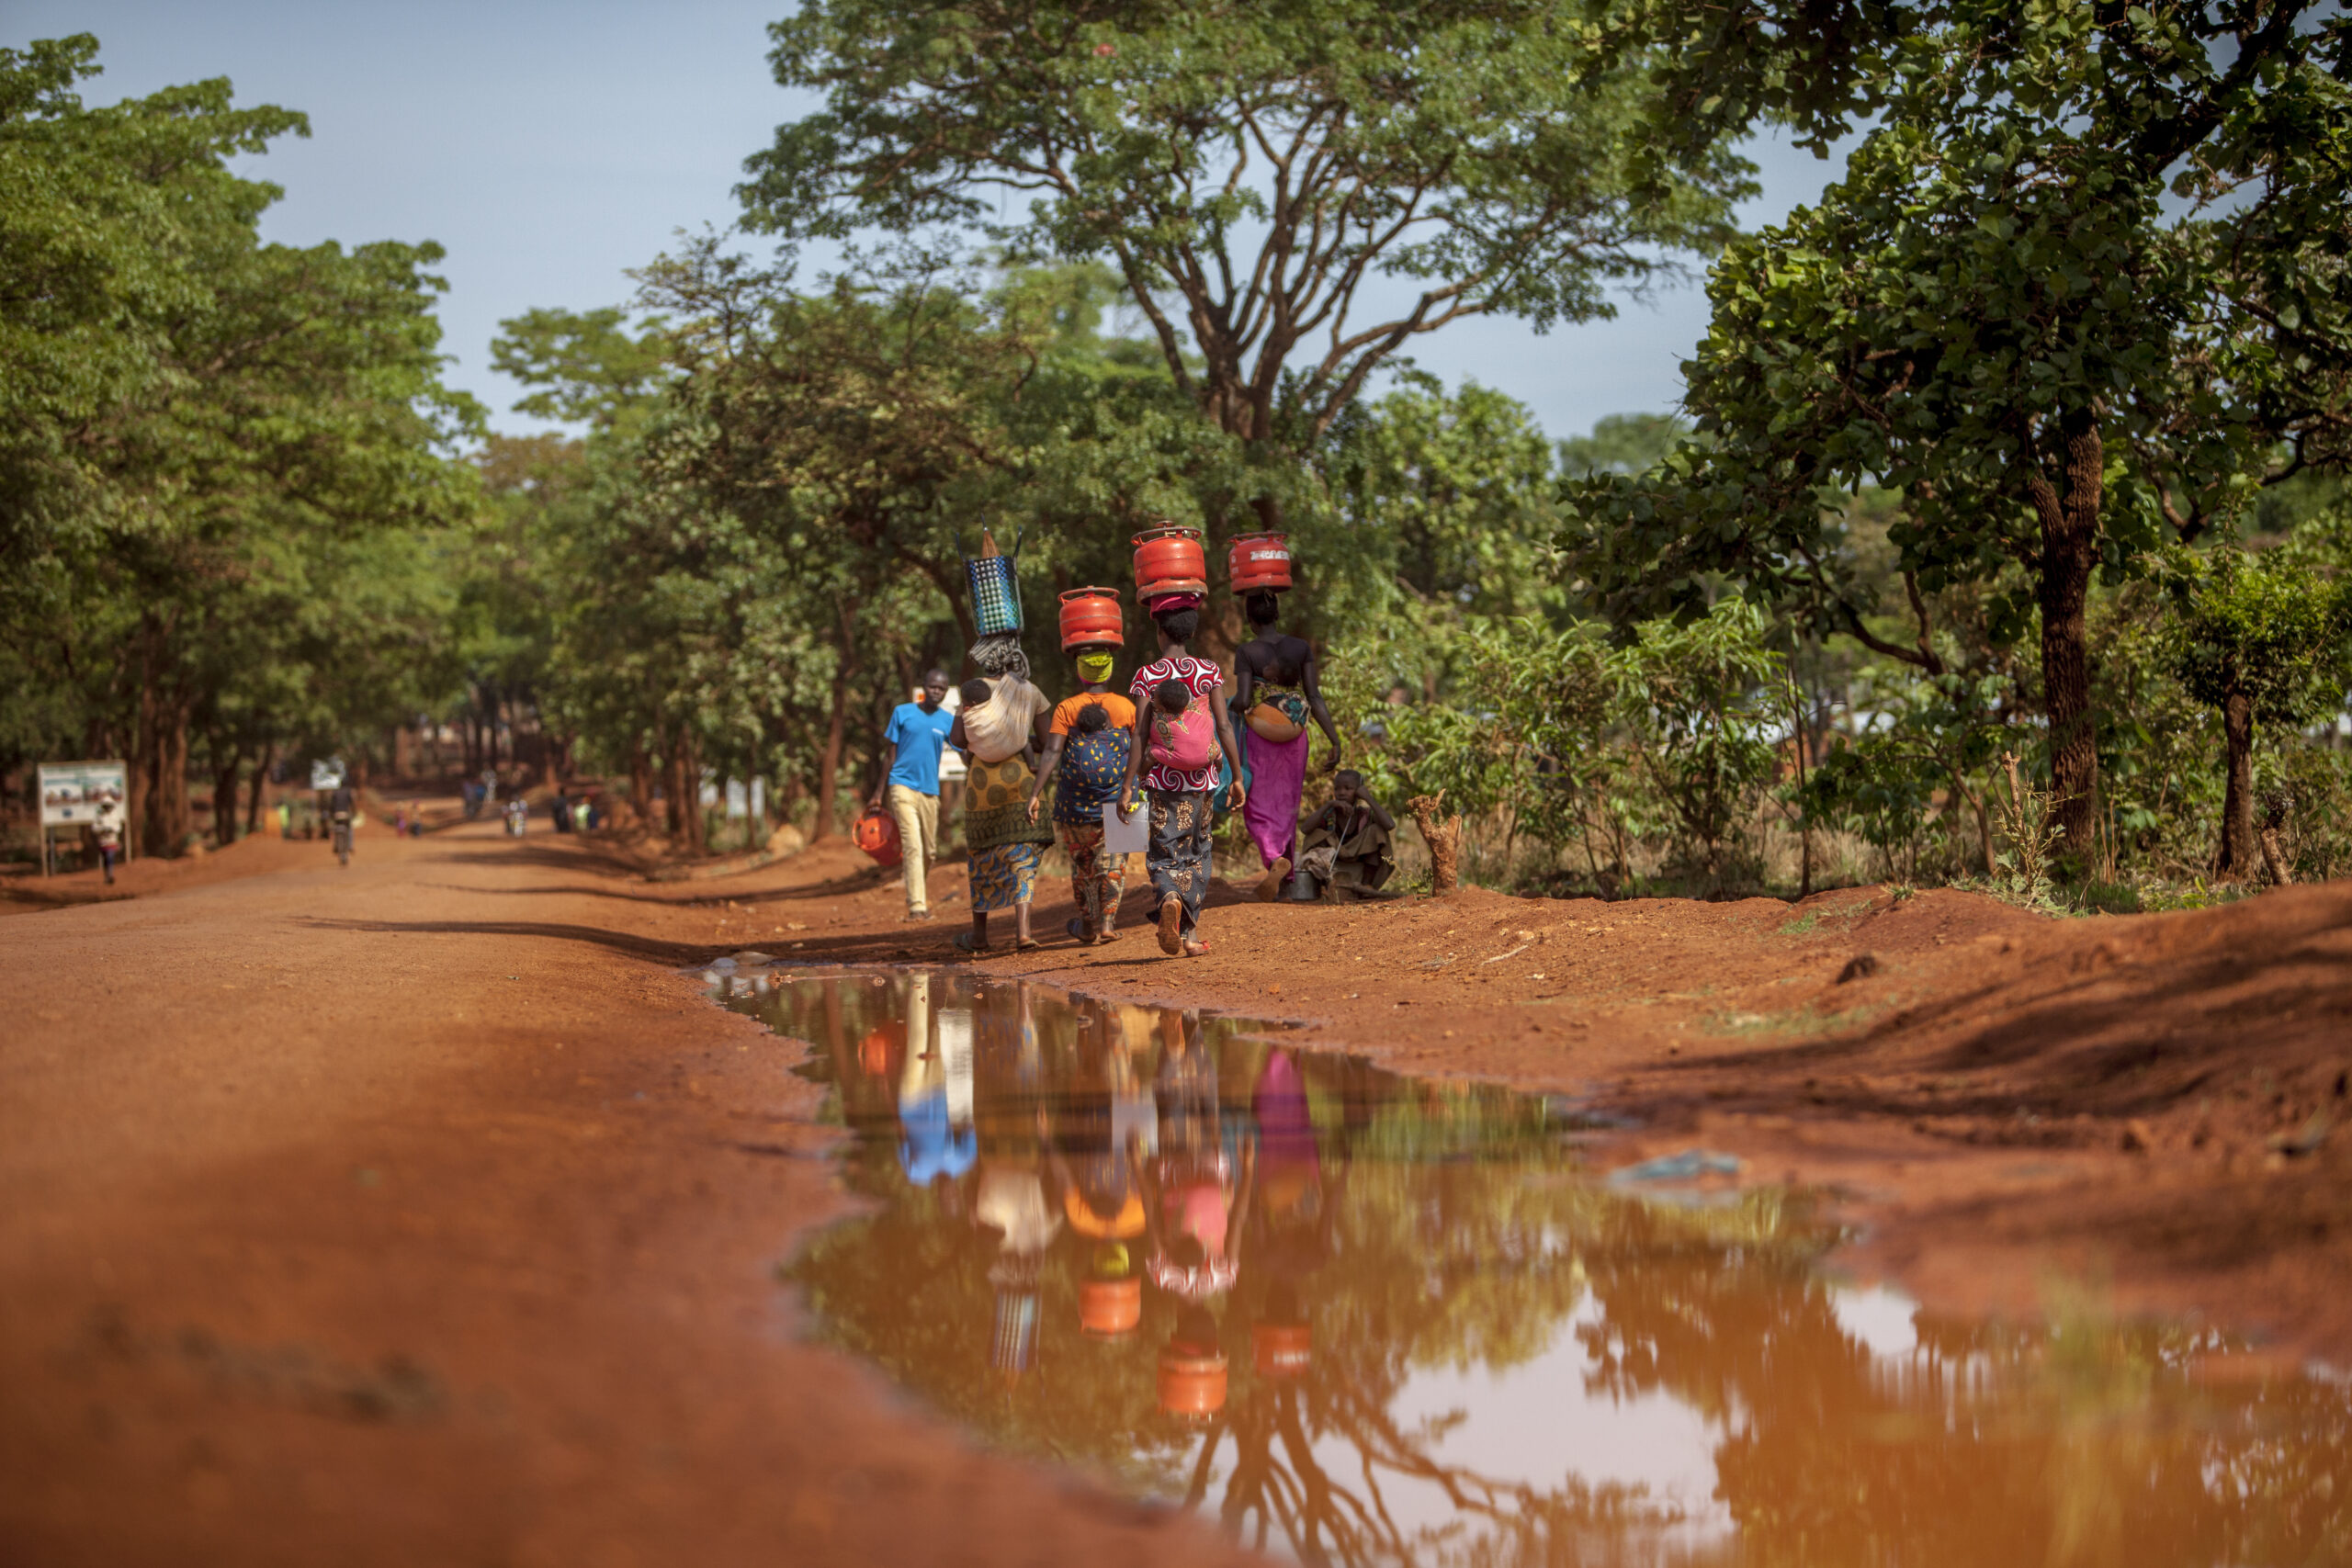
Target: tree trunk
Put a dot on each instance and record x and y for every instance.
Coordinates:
(697, 828)
(829, 759)
(260, 778)
(159, 765)
(674, 774)
(641, 784)
(2069, 552)
(224, 798)
(2239, 850)
(1444, 838)
(685, 794)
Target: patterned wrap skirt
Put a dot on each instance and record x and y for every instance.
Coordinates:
(1096, 879)
(1004, 845)
(1177, 853)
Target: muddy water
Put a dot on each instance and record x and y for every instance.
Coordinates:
(1363, 1318)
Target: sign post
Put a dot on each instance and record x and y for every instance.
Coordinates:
(74, 796)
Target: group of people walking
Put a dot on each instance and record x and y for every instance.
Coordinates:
(1177, 749)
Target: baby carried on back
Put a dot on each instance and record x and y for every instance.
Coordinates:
(1184, 732)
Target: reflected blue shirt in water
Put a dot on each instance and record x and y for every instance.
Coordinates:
(931, 1148)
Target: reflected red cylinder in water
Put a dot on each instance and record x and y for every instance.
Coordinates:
(1091, 618)
(1171, 559)
(1259, 563)
(1191, 1385)
(1108, 1308)
(1282, 1349)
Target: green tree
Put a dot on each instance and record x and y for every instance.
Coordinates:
(2074, 291)
(1249, 171)
(210, 428)
(2264, 642)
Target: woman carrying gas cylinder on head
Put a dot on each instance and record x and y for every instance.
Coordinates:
(1087, 743)
(1183, 728)
(1278, 692)
(1000, 722)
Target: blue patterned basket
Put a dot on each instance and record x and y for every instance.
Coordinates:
(995, 597)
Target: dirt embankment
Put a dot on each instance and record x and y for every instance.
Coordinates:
(421, 1211)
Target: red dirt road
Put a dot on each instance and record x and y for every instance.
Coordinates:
(424, 1212)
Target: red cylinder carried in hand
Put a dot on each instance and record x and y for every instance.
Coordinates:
(1169, 559)
(1259, 563)
(1091, 619)
(878, 835)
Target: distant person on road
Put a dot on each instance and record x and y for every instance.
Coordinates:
(1086, 755)
(518, 817)
(561, 810)
(342, 812)
(1177, 766)
(286, 819)
(917, 734)
(107, 829)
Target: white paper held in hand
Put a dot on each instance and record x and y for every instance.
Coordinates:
(1127, 838)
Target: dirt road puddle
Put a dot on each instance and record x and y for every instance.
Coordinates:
(1364, 1318)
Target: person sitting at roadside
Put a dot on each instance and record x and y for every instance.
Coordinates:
(1345, 847)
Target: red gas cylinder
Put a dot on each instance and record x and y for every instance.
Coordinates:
(1091, 618)
(1191, 1386)
(1169, 559)
(1259, 563)
(878, 836)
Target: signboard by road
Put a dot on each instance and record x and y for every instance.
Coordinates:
(70, 793)
(327, 773)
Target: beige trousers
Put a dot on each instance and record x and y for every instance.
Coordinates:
(917, 815)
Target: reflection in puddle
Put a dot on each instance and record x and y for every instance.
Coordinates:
(1364, 1318)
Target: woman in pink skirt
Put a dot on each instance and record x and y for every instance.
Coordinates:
(1278, 693)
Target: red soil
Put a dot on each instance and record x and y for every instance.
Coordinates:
(424, 1212)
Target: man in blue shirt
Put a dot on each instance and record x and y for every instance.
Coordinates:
(917, 732)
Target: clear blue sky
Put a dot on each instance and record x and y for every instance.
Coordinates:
(551, 147)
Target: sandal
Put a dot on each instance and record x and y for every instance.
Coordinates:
(1195, 948)
(1172, 924)
(965, 943)
(1077, 931)
(1026, 945)
(1270, 886)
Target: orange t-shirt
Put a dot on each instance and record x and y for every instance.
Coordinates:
(1066, 711)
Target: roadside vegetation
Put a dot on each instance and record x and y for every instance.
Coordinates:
(2002, 540)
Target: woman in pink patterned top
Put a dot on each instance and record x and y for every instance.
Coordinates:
(1177, 852)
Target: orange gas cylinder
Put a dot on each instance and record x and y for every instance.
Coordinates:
(1189, 1385)
(878, 836)
(1108, 1308)
(1259, 563)
(1091, 618)
(1171, 559)
(1282, 1349)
